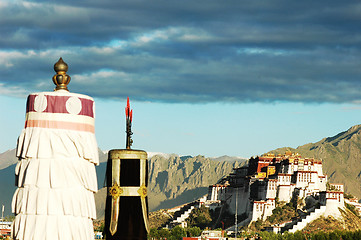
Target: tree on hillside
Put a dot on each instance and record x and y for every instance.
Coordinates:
(163, 233)
(177, 233)
(199, 217)
(194, 232)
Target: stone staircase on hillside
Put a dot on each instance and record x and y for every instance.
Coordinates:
(300, 223)
(183, 213)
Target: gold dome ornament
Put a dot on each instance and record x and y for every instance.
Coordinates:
(61, 79)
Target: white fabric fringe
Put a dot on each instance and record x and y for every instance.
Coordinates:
(43, 227)
(56, 182)
(50, 143)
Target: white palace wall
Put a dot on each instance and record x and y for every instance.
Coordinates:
(263, 209)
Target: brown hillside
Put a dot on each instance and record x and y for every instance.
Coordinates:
(349, 222)
(341, 155)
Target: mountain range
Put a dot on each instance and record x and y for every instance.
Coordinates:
(174, 180)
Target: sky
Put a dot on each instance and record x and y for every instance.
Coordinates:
(210, 78)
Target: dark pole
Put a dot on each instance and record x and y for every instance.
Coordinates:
(129, 116)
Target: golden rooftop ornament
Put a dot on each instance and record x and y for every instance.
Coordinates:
(61, 79)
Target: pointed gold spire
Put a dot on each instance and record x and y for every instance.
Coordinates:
(61, 79)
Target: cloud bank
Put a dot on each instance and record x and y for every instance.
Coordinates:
(185, 51)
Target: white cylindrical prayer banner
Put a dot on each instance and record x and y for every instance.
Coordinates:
(55, 175)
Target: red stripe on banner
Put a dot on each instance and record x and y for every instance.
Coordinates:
(57, 104)
(87, 107)
(30, 103)
(60, 125)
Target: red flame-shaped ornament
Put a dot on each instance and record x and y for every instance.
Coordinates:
(128, 111)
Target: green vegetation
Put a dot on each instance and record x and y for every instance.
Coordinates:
(325, 224)
(198, 220)
(330, 187)
(348, 195)
(353, 209)
(282, 214)
(176, 233)
(199, 217)
(302, 235)
(98, 225)
(159, 218)
(257, 225)
(9, 218)
(194, 231)
(334, 235)
(349, 227)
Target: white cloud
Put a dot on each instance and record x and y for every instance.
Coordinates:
(100, 76)
(184, 53)
(262, 51)
(8, 58)
(173, 34)
(117, 43)
(12, 91)
(156, 35)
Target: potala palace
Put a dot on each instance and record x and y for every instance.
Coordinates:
(251, 192)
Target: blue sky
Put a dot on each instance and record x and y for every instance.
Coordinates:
(204, 77)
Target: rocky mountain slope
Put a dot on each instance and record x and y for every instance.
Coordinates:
(7, 158)
(175, 180)
(341, 155)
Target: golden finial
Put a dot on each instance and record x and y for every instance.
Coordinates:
(61, 79)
